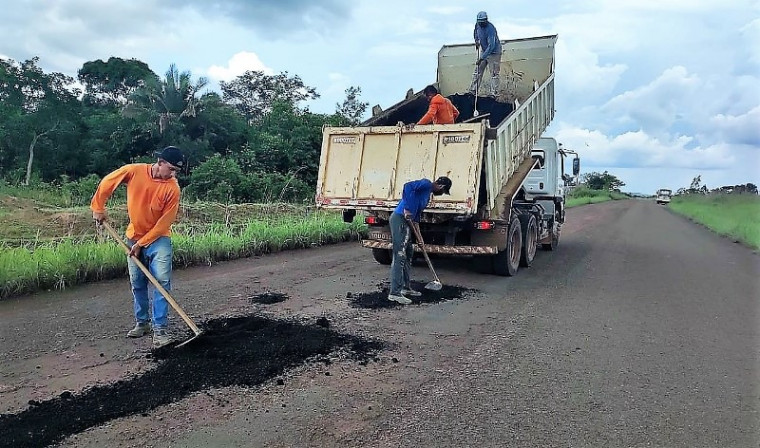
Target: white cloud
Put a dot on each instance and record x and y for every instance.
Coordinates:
(741, 129)
(238, 64)
(639, 150)
(657, 106)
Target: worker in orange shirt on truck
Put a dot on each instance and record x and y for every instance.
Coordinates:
(441, 110)
(152, 204)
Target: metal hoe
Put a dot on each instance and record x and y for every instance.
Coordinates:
(435, 285)
(158, 286)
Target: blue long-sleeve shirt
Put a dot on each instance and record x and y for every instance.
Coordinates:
(488, 39)
(415, 198)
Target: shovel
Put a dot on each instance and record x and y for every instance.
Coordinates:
(475, 113)
(158, 286)
(435, 285)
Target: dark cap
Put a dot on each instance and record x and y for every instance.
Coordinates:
(445, 182)
(173, 155)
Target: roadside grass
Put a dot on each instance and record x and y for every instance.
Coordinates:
(205, 233)
(582, 196)
(733, 215)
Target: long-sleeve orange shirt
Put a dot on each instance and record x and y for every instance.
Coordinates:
(152, 204)
(441, 111)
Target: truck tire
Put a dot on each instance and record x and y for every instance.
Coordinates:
(555, 239)
(382, 256)
(530, 239)
(507, 261)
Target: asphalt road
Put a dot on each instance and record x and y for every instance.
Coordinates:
(642, 329)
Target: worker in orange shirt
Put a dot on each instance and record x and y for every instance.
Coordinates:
(152, 203)
(441, 110)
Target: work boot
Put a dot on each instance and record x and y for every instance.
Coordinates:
(399, 299)
(161, 338)
(410, 292)
(140, 330)
(494, 86)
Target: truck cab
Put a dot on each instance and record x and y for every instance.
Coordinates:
(547, 182)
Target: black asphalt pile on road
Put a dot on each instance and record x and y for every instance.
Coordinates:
(239, 351)
(268, 298)
(379, 299)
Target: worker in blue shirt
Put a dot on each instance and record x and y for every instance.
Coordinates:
(414, 199)
(487, 41)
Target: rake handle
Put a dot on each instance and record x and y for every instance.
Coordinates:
(421, 243)
(153, 280)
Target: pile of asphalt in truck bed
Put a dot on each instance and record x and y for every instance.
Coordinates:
(412, 111)
(243, 351)
(379, 298)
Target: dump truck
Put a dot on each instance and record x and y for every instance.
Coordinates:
(507, 194)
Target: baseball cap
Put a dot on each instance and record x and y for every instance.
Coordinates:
(445, 182)
(173, 155)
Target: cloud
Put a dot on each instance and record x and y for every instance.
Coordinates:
(739, 129)
(237, 65)
(656, 107)
(277, 20)
(446, 10)
(639, 150)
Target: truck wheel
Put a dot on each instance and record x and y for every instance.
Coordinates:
(555, 239)
(507, 261)
(530, 239)
(382, 256)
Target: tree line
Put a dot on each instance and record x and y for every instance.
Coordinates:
(253, 142)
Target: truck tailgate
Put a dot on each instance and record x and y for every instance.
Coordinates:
(366, 167)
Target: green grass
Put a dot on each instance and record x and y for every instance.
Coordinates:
(35, 265)
(733, 215)
(582, 196)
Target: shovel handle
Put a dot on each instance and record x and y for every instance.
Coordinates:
(153, 280)
(421, 242)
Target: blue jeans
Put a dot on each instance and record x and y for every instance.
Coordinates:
(157, 257)
(403, 251)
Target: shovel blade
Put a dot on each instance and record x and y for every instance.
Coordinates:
(188, 341)
(434, 286)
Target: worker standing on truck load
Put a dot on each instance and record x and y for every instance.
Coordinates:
(414, 199)
(489, 46)
(152, 204)
(440, 111)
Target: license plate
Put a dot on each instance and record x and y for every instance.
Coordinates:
(379, 236)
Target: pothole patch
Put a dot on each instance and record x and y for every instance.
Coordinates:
(379, 298)
(268, 298)
(242, 351)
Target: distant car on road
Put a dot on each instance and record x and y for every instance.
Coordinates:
(663, 196)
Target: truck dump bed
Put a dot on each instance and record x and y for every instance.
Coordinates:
(365, 167)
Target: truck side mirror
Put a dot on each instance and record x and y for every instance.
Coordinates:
(576, 166)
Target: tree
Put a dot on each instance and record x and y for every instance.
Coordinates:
(602, 181)
(111, 82)
(254, 93)
(351, 110)
(38, 105)
(169, 100)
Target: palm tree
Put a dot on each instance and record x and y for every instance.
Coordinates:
(169, 99)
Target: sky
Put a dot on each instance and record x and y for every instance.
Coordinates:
(654, 91)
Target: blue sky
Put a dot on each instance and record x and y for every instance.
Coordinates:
(654, 91)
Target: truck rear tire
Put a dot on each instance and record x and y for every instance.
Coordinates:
(382, 256)
(507, 261)
(530, 239)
